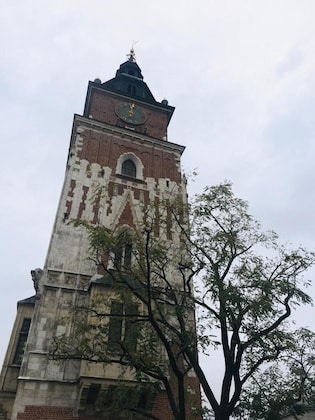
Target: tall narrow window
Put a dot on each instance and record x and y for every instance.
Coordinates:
(127, 256)
(92, 393)
(131, 330)
(122, 330)
(118, 256)
(123, 252)
(19, 352)
(128, 168)
(115, 325)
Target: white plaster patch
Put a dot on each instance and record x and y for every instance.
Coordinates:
(61, 329)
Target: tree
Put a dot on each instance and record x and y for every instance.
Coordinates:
(250, 285)
(285, 386)
(246, 287)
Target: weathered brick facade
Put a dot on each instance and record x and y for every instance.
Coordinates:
(96, 190)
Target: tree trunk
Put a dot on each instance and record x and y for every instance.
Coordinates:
(221, 415)
(181, 398)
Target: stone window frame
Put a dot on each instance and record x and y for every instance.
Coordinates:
(122, 317)
(123, 259)
(134, 158)
(123, 254)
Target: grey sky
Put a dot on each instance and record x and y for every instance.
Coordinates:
(241, 74)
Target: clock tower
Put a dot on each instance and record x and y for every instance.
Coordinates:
(119, 162)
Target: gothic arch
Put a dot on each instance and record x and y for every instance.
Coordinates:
(124, 159)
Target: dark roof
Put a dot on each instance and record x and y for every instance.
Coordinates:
(116, 278)
(106, 280)
(28, 301)
(129, 81)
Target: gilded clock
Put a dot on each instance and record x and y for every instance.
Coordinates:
(130, 113)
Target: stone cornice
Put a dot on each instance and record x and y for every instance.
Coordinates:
(125, 134)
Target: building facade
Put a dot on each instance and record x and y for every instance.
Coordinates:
(308, 416)
(120, 162)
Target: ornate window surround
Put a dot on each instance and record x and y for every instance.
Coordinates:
(134, 158)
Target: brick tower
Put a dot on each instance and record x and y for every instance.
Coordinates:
(118, 144)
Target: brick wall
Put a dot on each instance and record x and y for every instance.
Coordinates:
(105, 149)
(102, 108)
(162, 410)
(33, 412)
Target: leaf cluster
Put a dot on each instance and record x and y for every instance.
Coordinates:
(246, 286)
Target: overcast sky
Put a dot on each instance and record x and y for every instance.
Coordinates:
(241, 74)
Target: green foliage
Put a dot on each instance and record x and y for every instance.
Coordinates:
(250, 283)
(129, 399)
(246, 287)
(285, 386)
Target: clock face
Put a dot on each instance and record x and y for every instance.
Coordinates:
(130, 113)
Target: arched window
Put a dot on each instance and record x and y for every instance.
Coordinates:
(128, 168)
(128, 164)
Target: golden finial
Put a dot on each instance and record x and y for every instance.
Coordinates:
(132, 56)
